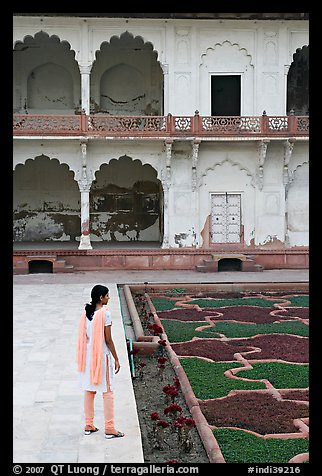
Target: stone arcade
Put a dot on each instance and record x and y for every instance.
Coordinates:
(158, 140)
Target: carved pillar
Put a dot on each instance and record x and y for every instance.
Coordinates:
(195, 193)
(84, 179)
(85, 71)
(262, 150)
(165, 69)
(166, 183)
(287, 179)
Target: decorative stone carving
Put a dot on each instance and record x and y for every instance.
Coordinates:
(165, 68)
(262, 150)
(195, 151)
(288, 149)
(168, 145)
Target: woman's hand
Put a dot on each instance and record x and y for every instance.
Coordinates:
(117, 365)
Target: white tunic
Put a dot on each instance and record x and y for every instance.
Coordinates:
(84, 377)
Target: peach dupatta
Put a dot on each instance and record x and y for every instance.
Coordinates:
(97, 348)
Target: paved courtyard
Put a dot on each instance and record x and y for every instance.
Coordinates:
(47, 401)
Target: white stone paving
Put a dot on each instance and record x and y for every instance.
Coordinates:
(47, 401)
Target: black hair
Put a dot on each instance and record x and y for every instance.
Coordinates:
(97, 291)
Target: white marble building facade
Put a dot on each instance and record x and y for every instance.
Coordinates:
(187, 190)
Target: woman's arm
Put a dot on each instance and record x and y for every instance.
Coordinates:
(111, 346)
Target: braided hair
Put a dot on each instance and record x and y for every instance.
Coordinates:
(97, 291)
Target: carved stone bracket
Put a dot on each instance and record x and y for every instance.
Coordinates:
(165, 68)
(195, 153)
(288, 149)
(262, 150)
(84, 176)
(168, 145)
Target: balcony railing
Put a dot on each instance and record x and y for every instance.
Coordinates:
(159, 126)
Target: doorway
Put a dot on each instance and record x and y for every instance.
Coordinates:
(225, 95)
(225, 218)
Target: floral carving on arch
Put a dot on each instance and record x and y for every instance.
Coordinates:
(226, 44)
(234, 165)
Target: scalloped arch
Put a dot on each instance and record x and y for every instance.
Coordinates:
(139, 38)
(230, 162)
(212, 48)
(114, 161)
(50, 38)
(42, 157)
(306, 162)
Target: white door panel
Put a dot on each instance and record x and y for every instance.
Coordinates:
(225, 218)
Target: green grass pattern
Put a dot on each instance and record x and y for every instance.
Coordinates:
(233, 302)
(279, 374)
(298, 301)
(208, 381)
(163, 304)
(238, 446)
(179, 331)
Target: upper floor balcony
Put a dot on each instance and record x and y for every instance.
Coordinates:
(96, 126)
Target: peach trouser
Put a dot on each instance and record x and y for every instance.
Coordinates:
(108, 400)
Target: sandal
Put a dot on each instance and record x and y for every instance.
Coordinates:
(119, 434)
(89, 432)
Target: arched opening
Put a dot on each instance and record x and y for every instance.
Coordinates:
(298, 83)
(126, 203)
(49, 85)
(40, 266)
(46, 76)
(46, 202)
(229, 264)
(126, 78)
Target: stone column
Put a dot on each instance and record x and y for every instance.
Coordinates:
(287, 179)
(84, 179)
(195, 193)
(85, 71)
(165, 69)
(166, 183)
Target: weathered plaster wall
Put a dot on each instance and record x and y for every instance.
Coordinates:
(45, 202)
(187, 51)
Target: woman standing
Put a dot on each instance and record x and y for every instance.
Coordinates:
(95, 355)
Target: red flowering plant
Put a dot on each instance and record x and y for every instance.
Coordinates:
(155, 417)
(171, 393)
(140, 304)
(176, 382)
(161, 349)
(159, 435)
(147, 320)
(161, 366)
(155, 329)
(173, 410)
(183, 425)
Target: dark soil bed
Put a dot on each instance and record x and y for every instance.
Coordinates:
(151, 398)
